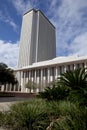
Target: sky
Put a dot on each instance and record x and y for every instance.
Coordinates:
(68, 16)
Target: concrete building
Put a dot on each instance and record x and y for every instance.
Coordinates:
(37, 42)
(42, 73)
(37, 62)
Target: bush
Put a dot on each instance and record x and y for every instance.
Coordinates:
(69, 117)
(27, 116)
(77, 82)
(55, 93)
(44, 115)
(79, 96)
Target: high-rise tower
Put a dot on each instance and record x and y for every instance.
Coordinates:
(37, 42)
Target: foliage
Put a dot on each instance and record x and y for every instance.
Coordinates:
(1, 118)
(71, 85)
(6, 75)
(27, 116)
(77, 82)
(31, 85)
(64, 109)
(42, 115)
(74, 79)
(55, 92)
(71, 117)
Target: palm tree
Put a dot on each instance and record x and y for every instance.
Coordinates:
(74, 79)
(77, 82)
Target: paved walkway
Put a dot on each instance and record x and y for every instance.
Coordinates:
(6, 102)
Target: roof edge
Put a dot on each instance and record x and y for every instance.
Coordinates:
(38, 10)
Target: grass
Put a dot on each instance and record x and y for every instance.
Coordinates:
(39, 114)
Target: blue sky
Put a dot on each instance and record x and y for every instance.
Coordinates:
(68, 16)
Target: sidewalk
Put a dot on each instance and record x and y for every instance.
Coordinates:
(6, 102)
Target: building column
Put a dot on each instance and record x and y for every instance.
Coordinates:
(2, 88)
(56, 72)
(74, 66)
(81, 65)
(26, 89)
(85, 65)
(48, 74)
(10, 86)
(20, 80)
(35, 80)
(6, 87)
(14, 88)
(58, 69)
(41, 79)
(65, 68)
(29, 75)
(23, 83)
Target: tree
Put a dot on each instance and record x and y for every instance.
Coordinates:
(77, 82)
(6, 75)
(31, 85)
(55, 91)
(74, 79)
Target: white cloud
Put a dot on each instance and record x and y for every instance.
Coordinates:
(70, 20)
(7, 19)
(79, 45)
(21, 6)
(9, 53)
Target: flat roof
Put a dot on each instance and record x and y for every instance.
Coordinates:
(41, 13)
(56, 61)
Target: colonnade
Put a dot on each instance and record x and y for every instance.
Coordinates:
(9, 87)
(42, 76)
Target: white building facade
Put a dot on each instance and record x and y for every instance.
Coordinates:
(37, 42)
(42, 73)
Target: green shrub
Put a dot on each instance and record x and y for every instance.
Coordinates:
(45, 115)
(79, 96)
(74, 79)
(1, 118)
(55, 93)
(77, 82)
(69, 117)
(27, 116)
